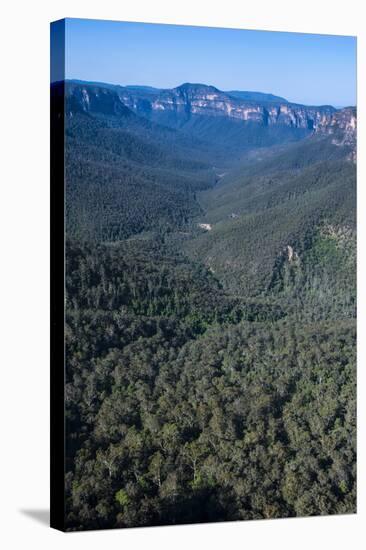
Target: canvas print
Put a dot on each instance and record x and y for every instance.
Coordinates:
(204, 355)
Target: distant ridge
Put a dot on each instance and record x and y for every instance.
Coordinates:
(141, 88)
(245, 96)
(257, 96)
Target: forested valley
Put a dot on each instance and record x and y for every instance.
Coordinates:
(210, 319)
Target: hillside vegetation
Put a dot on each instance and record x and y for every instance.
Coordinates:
(210, 318)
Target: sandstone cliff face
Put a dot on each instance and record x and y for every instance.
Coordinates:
(197, 99)
(190, 100)
(342, 127)
(94, 99)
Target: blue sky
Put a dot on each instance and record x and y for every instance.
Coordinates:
(305, 68)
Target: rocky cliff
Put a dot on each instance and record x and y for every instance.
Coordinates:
(197, 100)
(342, 125)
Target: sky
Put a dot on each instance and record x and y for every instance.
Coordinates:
(304, 68)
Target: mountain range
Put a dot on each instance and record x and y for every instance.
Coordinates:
(180, 104)
(177, 142)
(190, 100)
(234, 122)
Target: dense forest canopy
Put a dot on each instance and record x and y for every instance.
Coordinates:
(210, 315)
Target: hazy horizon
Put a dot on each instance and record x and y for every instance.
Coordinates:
(311, 69)
(132, 84)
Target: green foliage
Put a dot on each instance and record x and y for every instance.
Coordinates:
(122, 498)
(210, 375)
(121, 180)
(272, 210)
(230, 421)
